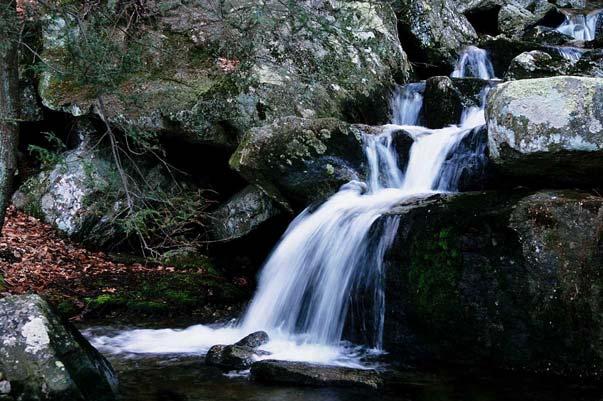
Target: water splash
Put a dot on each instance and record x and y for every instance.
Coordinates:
(580, 26)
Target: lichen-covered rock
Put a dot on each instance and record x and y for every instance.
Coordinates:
(242, 214)
(82, 196)
(436, 29)
(537, 64)
(64, 195)
(517, 277)
(300, 159)
(326, 59)
(312, 374)
(43, 359)
(550, 128)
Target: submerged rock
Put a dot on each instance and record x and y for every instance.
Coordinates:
(43, 359)
(310, 374)
(550, 129)
(516, 277)
(238, 356)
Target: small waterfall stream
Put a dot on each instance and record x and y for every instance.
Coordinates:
(331, 254)
(580, 26)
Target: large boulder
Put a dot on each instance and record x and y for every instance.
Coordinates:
(435, 30)
(43, 359)
(550, 129)
(516, 278)
(210, 74)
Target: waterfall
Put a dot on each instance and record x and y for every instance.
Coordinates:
(579, 26)
(573, 54)
(328, 266)
(474, 62)
(406, 104)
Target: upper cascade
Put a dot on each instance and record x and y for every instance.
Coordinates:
(580, 26)
(475, 63)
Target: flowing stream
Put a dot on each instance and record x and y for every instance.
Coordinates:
(333, 254)
(580, 26)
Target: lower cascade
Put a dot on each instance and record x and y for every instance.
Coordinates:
(325, 276)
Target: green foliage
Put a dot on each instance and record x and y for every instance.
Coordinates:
(50, 155)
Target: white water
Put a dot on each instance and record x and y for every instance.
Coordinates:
(579, 26)
(327, 269)
(406, 104)
(573, 54)
(474, 62)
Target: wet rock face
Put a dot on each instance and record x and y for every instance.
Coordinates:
(309, 374)
(516, 277)
(285, 63)
(42, 359)
(540, 127)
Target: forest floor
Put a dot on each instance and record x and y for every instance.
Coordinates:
(85, 284)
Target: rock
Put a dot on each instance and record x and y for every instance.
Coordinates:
(243, 213)
(537, 64)
(590, 64)
(189, 85)
(238, 356)
(445, 99)
(299, 159)
(81, 195)
(503, 50)
(231, 357)
(442, 104)
(254, 340)
(517, 277)
(44, 359)
(513, 20)
(548, 129)
(546, 36)
(30, 109)
(434, 30)
(310, 374)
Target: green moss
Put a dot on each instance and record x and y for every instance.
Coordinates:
(435, 270)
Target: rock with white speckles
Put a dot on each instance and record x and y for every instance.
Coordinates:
(549, 128)
(44, 359)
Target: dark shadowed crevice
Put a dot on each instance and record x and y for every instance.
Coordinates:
(484, 21)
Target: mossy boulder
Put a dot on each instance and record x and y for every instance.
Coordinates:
(506, 280)
(550, 129)
(300, 159)
(208, 74)
(41, 358)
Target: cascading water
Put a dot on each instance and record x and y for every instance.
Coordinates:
(474, 62)
(406, 104)
(573, 54)
(579, 26)
(333, 255)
